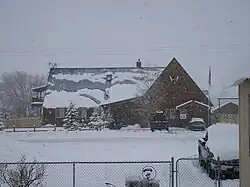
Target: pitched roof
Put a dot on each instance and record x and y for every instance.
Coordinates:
(222, 105)
(240, 81)
(87, 87)
(173, 73)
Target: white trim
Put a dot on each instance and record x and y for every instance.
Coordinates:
(190, 101)
(221, 105)
(178, 106)
(200, 103)
(43, 86)
(37, 103)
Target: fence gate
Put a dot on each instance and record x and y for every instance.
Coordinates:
(190, 173)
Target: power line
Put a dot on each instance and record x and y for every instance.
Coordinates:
(162, 48)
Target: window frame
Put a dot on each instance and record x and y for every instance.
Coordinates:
(183, 111)
(61, 112)
(82, 110)
(172, 113)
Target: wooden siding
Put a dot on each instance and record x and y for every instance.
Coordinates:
(230, 108)
(162, 95)
(49, 116)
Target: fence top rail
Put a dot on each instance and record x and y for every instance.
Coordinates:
(188, 159)
(92, 162)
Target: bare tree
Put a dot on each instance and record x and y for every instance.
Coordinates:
(23, 174)
(15, 92)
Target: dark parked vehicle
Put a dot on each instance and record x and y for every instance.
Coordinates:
(159, 122)
(1, 122)
(197, 124)
(114, 126)
(221, 142)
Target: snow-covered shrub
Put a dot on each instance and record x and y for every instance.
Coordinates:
(97, 119)
(23, 174)
(135, 181)
(71, 118)
(100, 119)
(108, 117)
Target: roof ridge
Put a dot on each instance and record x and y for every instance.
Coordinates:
(111, 67)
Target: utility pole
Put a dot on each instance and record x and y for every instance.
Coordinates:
(208, 90)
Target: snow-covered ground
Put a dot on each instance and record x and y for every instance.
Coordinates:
(108, 146)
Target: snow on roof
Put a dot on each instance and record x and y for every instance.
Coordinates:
(39, 87)
(190, 101)
(37, 103)
(63, 99)
(240, 81)
(221, 105)
(89, 84)
(223, 140)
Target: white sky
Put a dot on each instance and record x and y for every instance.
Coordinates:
(93, 33)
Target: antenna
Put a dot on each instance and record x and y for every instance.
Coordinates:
(52, 65)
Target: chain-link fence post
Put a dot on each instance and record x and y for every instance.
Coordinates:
(74, 174)
(172, 171)
(176, 173)
(219, 172)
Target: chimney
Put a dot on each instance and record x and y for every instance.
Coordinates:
(109, 78)
(138, 63)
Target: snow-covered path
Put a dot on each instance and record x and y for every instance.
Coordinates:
(107, 146)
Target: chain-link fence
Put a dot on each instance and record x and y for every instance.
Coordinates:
(186, 172)
(94, 174)
(199, 172)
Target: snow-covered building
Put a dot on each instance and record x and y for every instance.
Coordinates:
(129, 93)
(226, 112)
(244, 129)
(38, 94)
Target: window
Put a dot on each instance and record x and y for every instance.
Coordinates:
(183, 114)
(172, 114)
(82, 112)
(60, 112)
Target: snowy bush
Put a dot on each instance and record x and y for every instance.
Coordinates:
(23, 174)
(71, 118)
(97, 119)
(108, 117)
(136, 181)
(100, 119)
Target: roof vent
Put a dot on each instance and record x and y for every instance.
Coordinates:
(138, 63)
